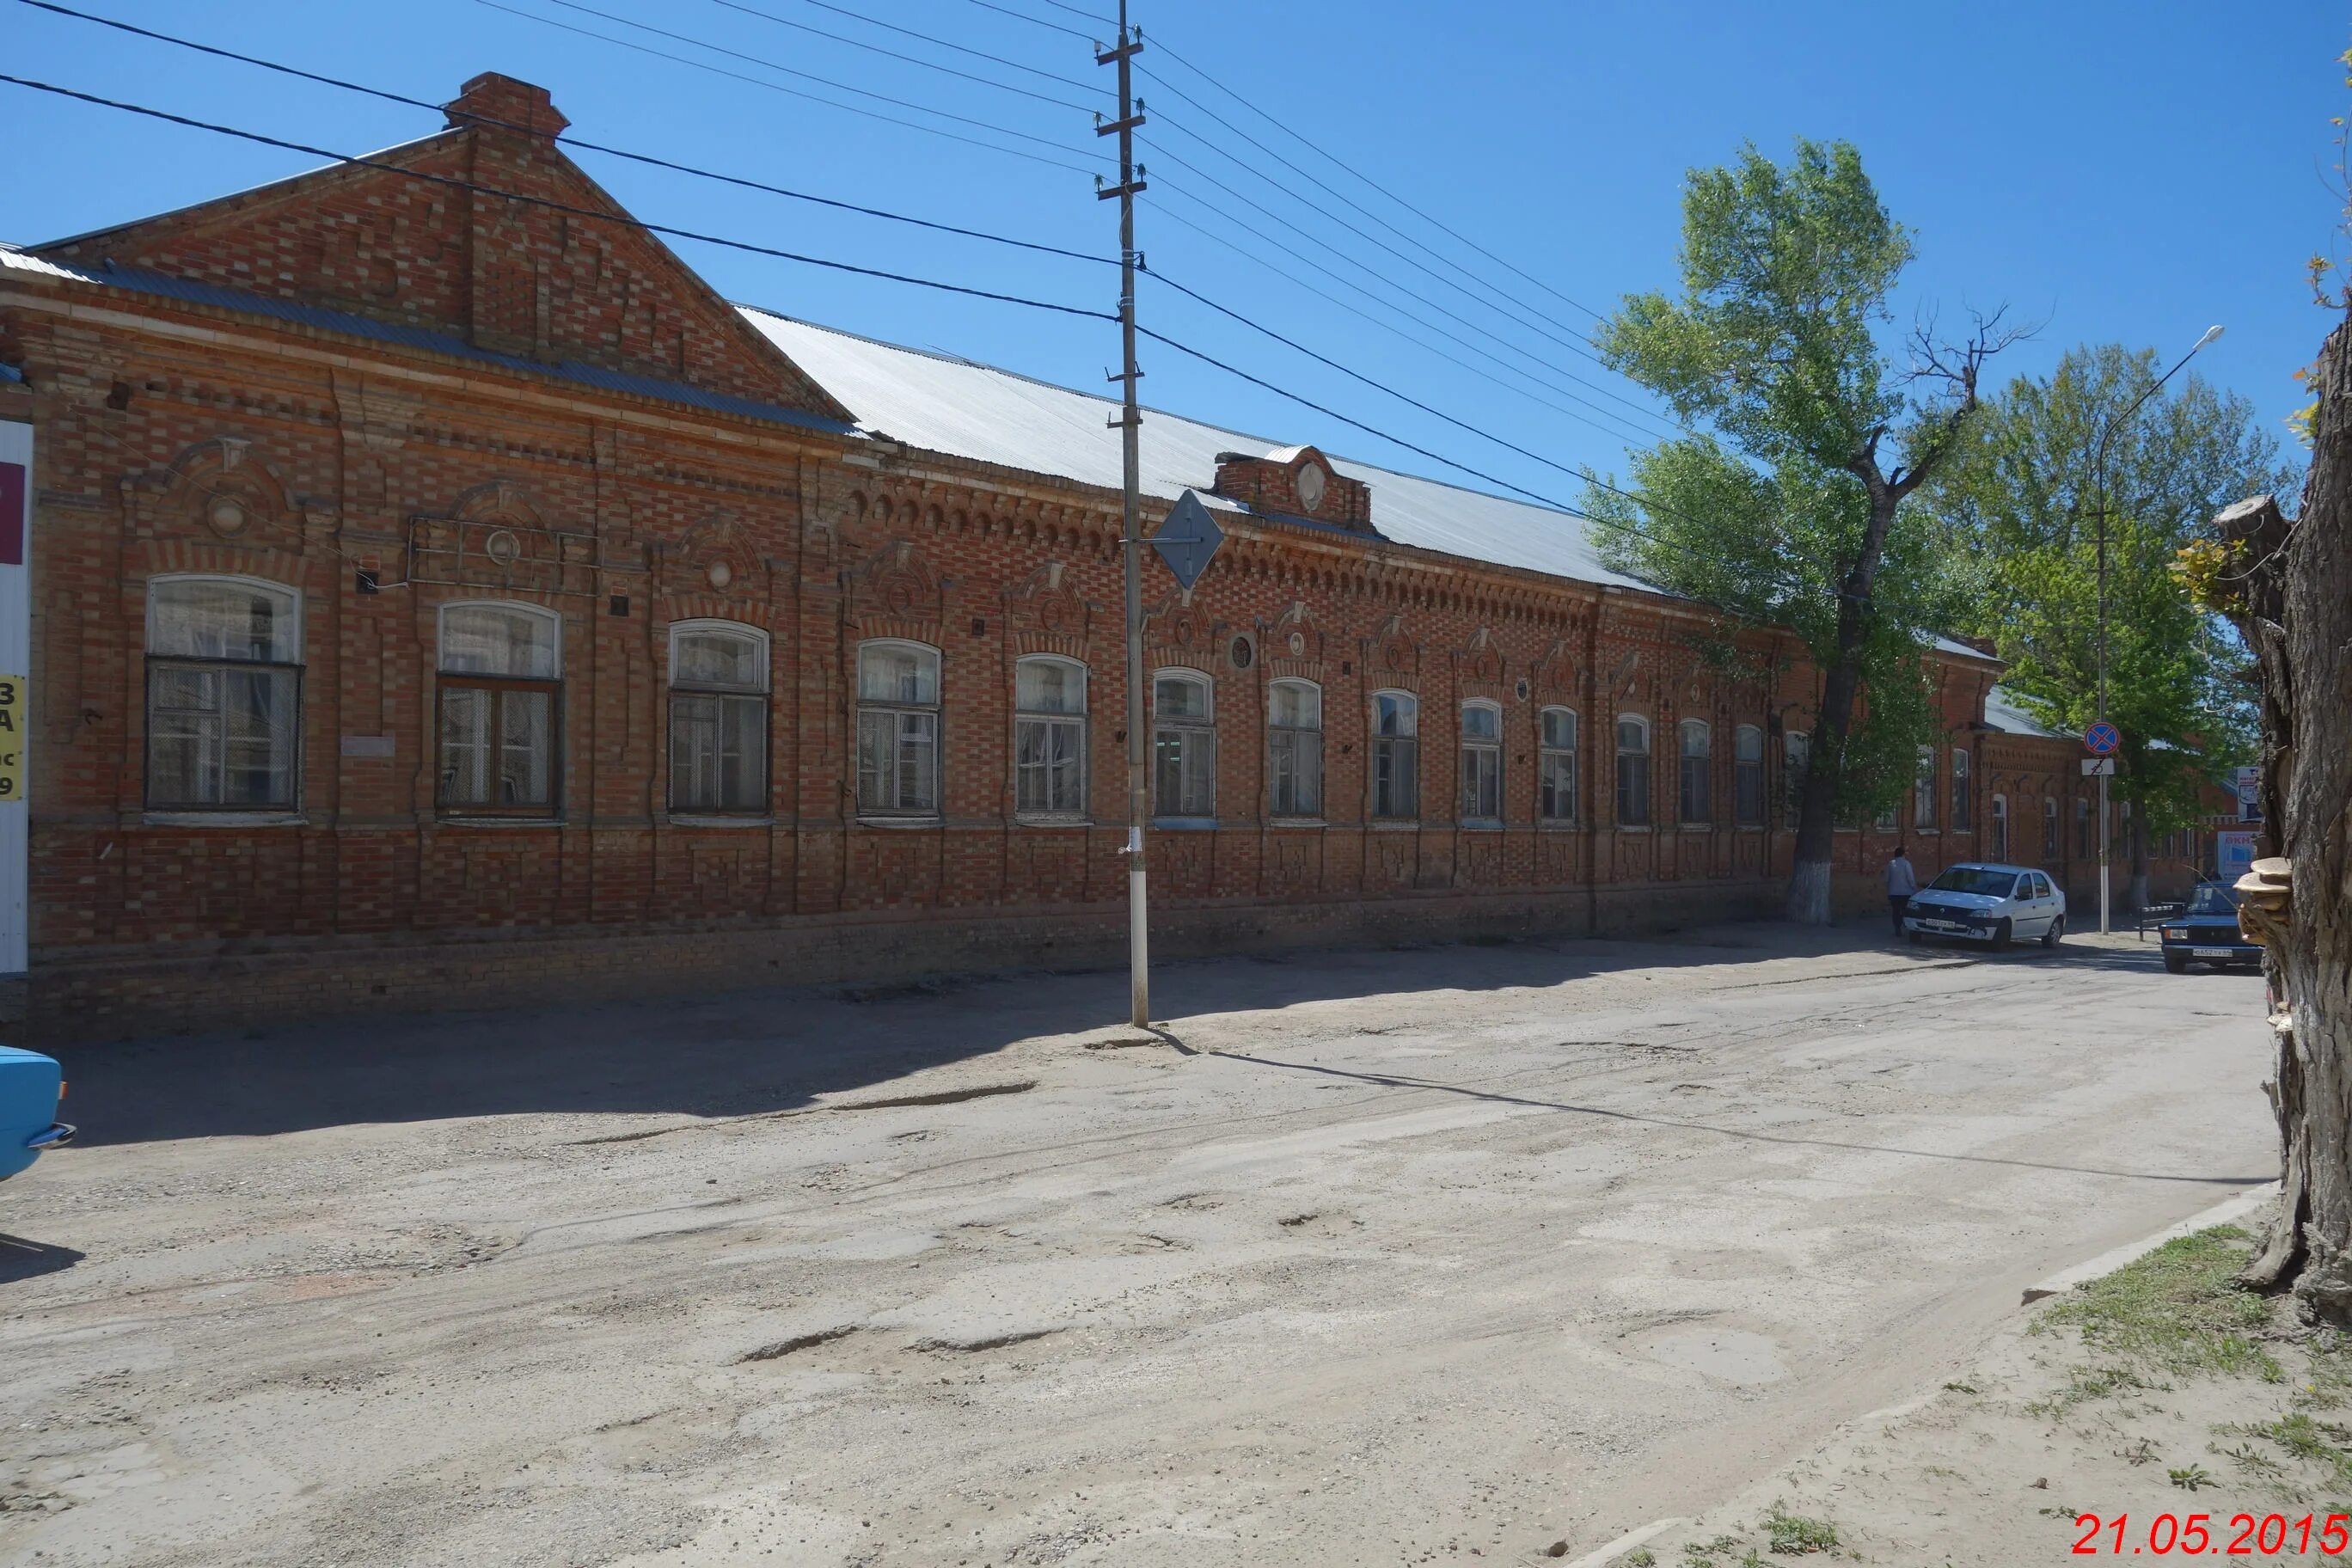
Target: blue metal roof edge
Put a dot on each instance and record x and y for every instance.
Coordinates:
(195, 293)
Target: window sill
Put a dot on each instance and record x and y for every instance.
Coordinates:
(1696, 826)
(460, 821)
(1635, 827)
(1051, 819)
(699, 819)
(864, 821)
(1394, 825)
(224, 819)
(1747, 827)
(1184, 824)
(1480, 824)
(1559, 825)
(1296, 821)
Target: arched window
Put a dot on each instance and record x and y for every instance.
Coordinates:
(1633, 771)
(1961, 817)
(897, 729)
(1748, 776)
(1796, 756)
(2000, 827)
(1183, 745)
(1294, 745)
(718, 718)
(1482, 763)
(2050, 827)
(1556, 772)
(1923, 790)
(224, 694)
(1695, 796)
(1396, 755)
(501, 675)
(1049, 737)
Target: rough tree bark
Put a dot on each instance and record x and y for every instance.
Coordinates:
(2297, 615)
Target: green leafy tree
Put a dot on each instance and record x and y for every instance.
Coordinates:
(2021, 504)
(1794, 506)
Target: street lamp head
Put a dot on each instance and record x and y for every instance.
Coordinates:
(2211, 333)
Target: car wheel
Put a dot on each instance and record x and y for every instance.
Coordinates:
(2056, 934)
(2175, 965)
(2001, 934)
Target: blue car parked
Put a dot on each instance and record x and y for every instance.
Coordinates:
(2206, 931)
(30, 1087)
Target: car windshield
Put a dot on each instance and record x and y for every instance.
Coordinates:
(1977, 879)
(2214, 899)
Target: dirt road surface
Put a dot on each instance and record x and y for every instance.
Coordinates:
(1393, 1257)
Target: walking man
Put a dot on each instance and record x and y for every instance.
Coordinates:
(1901, 883)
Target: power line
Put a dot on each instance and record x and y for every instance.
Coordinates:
(806, 76)
(1089, 15)
(1511, 307)
(567, 209)
(930, 38)
(1338, 163)
(567, 138)
(892, 53)
(1423, 299)
(1595, 419)
(1038, 21)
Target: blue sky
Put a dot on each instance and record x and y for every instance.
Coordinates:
(2126, 172)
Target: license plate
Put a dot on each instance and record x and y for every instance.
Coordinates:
(2213, 952)
(1943, 925)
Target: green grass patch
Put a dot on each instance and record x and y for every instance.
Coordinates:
(2178, 1310)
(1793, 1534)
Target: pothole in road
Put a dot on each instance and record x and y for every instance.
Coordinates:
(961, 1346)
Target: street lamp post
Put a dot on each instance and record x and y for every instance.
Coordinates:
(2100, 468)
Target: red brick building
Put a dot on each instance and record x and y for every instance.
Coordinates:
(442, 599)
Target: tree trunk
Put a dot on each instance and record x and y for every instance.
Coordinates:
(1809, 878)
(2135, 890)
(2298, 620)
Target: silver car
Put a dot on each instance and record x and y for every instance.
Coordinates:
(1990, 903)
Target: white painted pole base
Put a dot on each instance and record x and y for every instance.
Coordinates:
(1139, 942)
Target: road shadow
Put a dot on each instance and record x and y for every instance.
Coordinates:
(758, 1051)
(23, 1259)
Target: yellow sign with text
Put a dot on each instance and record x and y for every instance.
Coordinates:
(12, 729)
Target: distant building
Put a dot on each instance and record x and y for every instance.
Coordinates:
(444, 599)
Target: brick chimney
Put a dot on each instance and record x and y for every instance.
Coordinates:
(504, 103)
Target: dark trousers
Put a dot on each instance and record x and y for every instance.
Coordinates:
(1896, 904)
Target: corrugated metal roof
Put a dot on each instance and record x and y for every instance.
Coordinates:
(165, 287)
(2004, 713)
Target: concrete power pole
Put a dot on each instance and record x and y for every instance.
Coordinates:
(1128, 422)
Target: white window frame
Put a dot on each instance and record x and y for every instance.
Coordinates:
(1481, 766)
(1068, 729)
(1556, 792)
(922, 723)
(1645, 798)
(1998, 848)
(2050, 845)
(1704, 774)
(1749, 804)
(1923, 791)
(288, 669)
(1394, 765)
(737, 698)
(1194, 754)
(1962, 783)
(1295, 756)
(501, 689)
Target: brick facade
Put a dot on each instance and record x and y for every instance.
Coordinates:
(566, 418)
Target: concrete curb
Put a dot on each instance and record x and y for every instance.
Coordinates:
(1627, 1541)
(2224, 1213)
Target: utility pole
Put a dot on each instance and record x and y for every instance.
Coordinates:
(1129, 423)
(2100, 466)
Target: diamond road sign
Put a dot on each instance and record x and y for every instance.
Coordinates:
(1188, 539)
(2102, 739)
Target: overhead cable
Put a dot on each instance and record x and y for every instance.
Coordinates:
(545, 204)
(931, 38)
(567, 138)
(892, 53)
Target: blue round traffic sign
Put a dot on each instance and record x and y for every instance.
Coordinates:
(2103, 738)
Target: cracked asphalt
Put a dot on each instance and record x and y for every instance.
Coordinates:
(1366, 1257)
